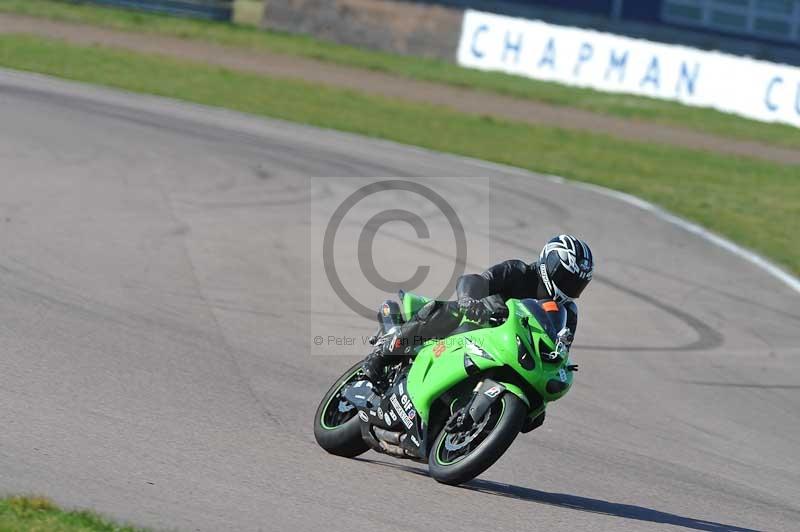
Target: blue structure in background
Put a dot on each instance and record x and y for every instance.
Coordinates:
(763, 29)
(221, 10)
(772, 22)
(641, 10)
(601, 7)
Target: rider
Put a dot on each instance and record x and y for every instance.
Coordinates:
(563, 270)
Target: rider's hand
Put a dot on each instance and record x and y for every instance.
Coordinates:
(473, 309)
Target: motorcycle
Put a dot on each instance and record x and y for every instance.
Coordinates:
(457, 403)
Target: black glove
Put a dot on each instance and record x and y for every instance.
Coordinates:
(473, 309)
(388, 341)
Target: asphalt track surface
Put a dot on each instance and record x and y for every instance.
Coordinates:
(154, 321)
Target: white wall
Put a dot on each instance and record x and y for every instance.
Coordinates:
(603, 61)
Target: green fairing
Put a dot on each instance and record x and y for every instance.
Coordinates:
(439, 365)
(410, 304)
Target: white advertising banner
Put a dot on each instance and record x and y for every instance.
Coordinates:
(761, 90)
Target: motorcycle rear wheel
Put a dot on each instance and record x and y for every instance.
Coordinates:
(339, 431)
(456, 458)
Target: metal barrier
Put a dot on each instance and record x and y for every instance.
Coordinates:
(207, 9)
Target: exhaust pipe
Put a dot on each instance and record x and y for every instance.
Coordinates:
(393, 450)
(387, 435)
(390, 442)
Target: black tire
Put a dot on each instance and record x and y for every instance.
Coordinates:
(509, 413)
(344, 437)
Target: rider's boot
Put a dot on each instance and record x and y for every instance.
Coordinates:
(373, 367)
(376, 361)
(390, 344)
(399, 338)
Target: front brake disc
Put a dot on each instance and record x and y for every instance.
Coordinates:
(459, 440)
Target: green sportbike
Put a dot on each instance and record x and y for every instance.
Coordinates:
(458, 402)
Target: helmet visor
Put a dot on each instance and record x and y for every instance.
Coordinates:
(569, 283)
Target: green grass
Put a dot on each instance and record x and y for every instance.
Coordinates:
(37, 514)
(751, 201)
(645, 109)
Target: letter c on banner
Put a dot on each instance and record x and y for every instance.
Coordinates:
(480, 29)
(767, 97)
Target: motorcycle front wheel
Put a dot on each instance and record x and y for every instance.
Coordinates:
(457, 457)
(337, 428)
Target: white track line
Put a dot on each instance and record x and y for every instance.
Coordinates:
(776, 271)
(790, 280)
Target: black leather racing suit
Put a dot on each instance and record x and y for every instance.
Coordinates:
(512, 279)
(509, 279)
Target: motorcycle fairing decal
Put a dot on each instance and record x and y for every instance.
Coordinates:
(355, 394)
(401, 412)
(399, 415)
(438, 349)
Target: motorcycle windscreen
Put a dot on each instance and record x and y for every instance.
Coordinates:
(550, 315)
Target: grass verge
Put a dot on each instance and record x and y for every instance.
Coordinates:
(750, 201)
(625, 106)
(22, 514)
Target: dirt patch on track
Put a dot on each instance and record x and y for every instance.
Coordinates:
(464, 100)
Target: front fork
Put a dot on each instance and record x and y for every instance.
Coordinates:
(484, 395)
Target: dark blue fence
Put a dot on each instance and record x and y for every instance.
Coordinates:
(207, 9)
(636, 10)
(647, 19)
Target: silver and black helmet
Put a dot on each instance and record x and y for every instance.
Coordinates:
(565, 266)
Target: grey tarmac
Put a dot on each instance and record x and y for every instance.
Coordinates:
(156, 366)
